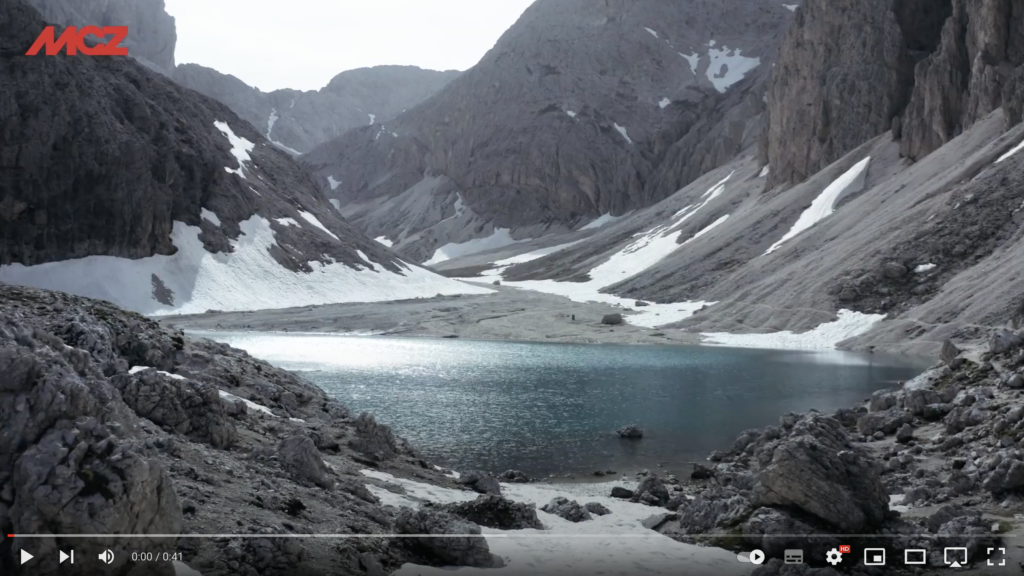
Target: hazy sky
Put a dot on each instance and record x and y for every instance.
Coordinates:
(302, 44)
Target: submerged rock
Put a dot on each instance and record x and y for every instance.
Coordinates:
(630, 431)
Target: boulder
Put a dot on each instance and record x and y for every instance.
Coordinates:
(676, 502)
(894, 270)
(567, 509)
(179, 404)
(1015, 381)
(481, 482)
(514, 476)
(914, 401)
(620, 492)
(373, 439)
(701, 472)
(1004, 340)
(882, 400)
(655, 488)
(453, 545)
(949, 352)
(887, 422)
(630, 431)
(497, 512)
(300, 458)
(597, 508)
(816, 469)
(717, 510)
(933, 412)
(905, 434)
(641, 304)
(1008, 475)
(612, 319)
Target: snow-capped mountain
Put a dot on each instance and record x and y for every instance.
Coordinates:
(129, 188)
(574, 114)
(897, 217)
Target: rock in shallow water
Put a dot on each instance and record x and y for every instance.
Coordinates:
(630, 431)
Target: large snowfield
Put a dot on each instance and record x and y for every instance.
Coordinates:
(823, 337)
(608, 545)
(247, 279)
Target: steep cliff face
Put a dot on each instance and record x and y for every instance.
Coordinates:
(927, 70)
(565, 119)
(119, 184)
(151, 32)
(297, 121)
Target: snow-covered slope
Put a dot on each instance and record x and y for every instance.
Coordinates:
(172, 203)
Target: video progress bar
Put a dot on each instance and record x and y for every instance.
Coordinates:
(538, 534)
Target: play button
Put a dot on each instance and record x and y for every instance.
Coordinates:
(757, 557)
(25, 556)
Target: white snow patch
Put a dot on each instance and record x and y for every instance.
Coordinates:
(373, 118)
(602, 220)
(823, 337)
(286, 221)
(271, 121)
(791, 7)
(663, 103)
(208, 215)
(137, 369)
(498, 239)
(336, 203)
(646, 250)
(711, 44)
(570, 113)
(383, 240)
(240, 148)
(896, 502)
(728, 66)
(364, 256)
(622, 131)
(292, 105)
(611, 545)
(246, 279)
(315, 222)
(764, 171)
(921, 269)
(500, 265)
(652, 32)
(824, 204)
(252, 405)
(693, 59)
(334, 183)
(1012, 151)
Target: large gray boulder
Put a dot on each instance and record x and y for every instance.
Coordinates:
(374, 439)
(651, 489)
(453, 543)
(299, 456)
(816, 469)
(1003, 340)
(497, 512)
(481, 482)
(886, 422)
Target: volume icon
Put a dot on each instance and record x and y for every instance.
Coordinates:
(107, 556)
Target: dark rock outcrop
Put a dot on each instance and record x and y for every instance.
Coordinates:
(630, 431)
(497, 512)
(455, 550)
(570, 510)
(481, 482)
(299, 456)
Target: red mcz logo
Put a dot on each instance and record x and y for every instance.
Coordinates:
(74, 39)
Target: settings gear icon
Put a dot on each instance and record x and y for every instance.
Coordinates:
(833, 557)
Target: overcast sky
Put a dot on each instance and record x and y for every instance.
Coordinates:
(302, 44)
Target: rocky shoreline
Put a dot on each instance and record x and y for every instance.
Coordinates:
(111, 422)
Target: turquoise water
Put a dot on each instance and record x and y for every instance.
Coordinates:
(553, 408)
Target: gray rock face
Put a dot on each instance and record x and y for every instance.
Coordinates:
(300, 457)
(497, 512)
(151, 32)
(568, 509)
(376, 440)
(614, 117)
(817, 470)
(162, 161)
(297, 121)
(455, 550)
(184, 406)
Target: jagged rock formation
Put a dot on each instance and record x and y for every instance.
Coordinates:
(497, 512)
(297, 120)
(110, 423)
(849, 71)
(121, 162)
(151, 32)
(568, 117)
